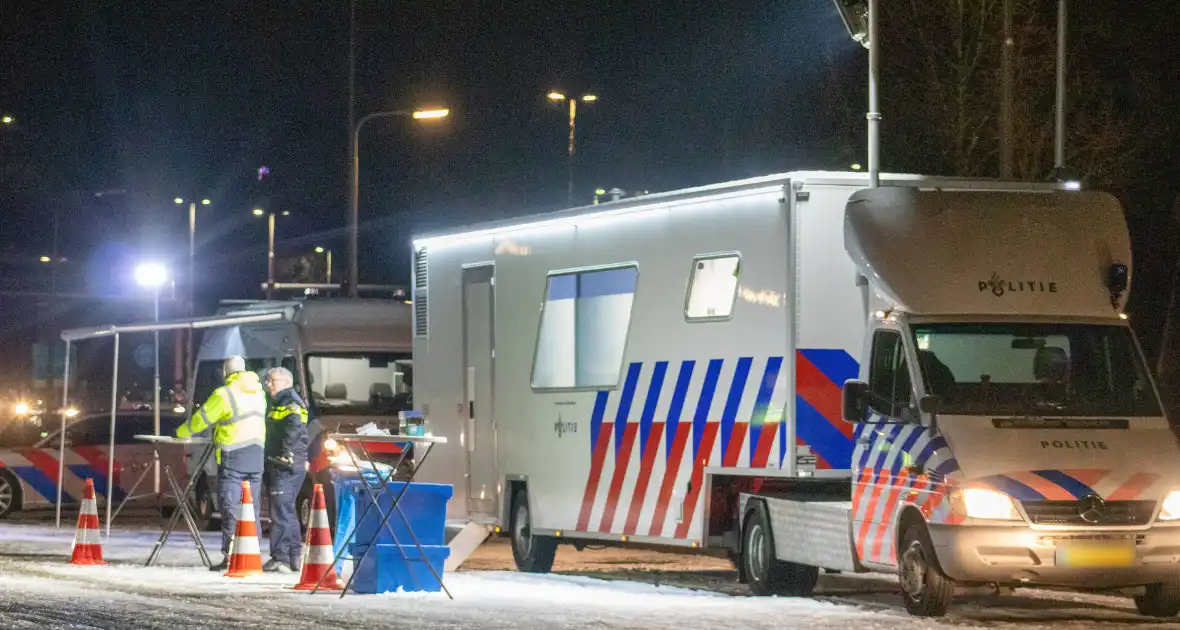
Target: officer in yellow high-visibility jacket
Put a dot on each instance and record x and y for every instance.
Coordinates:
(237, 414)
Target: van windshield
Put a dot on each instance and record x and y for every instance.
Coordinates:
(361, 384)
(1035, 369)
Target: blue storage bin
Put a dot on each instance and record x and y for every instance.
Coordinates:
(424, 505)
(385, 569)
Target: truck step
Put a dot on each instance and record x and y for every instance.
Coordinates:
(465, 543)
(813, 533)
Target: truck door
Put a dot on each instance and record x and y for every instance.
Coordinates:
(478, 353)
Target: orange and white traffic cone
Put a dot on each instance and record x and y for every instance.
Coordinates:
(318, 569)
(245, 559)
(87, 544)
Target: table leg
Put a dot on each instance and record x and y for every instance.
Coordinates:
(200, 470)
(383, 484)
(395, 507)
(131, 493)
(188, 517)
(373, 502)
(402, 515)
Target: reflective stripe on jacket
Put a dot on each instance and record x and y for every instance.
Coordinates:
(235, 411)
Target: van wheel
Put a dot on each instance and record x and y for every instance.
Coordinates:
(303, 510)
(533, 554)
(765, 573)
(1162, 599)
(927, 591)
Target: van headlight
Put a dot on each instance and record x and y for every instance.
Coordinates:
(985, 504)
(1170, 509)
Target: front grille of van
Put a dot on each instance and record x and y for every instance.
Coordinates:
(1107, 513)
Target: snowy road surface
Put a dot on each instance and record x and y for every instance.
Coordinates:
(40, 589)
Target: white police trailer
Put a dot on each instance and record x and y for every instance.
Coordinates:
(668, 370)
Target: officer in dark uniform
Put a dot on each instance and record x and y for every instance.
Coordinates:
(286, 467)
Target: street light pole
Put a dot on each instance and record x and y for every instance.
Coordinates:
(1006, 69)
(573, 108)
(569, 193)
(1059, 136)
(354, 212)
(270, 256)
(190, 302)
(152, 276)
(156, 388)
(874, 115)
(328, 256)
(860, 18)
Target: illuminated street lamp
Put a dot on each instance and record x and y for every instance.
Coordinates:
(557, 97)
(7, 120)
(354, 211)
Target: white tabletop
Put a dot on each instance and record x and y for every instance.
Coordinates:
(168, 439)
(387, 439)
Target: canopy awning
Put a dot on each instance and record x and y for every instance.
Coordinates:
(78, 334)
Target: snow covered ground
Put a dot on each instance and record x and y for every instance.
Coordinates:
(40, 589)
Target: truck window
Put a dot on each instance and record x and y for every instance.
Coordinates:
(889, 377)
(1043, 369)
(361, 384)
(712, 287)
(583, 331)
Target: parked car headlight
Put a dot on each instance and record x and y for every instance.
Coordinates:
(984, 503)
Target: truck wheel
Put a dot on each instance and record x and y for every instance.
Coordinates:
(766, 574)
(202, 506)
(1162, 599)
(303, 507)
(10, 499)
(533, 554)
(926, 590)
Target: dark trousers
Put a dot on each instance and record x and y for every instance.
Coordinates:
(282, 488)
(229, 499)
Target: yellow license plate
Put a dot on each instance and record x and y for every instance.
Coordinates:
(1089, 555)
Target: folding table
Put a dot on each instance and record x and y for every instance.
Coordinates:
(350, 441)
(182, 504)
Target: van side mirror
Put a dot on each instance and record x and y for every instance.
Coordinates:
(854, 399)
(930, 404)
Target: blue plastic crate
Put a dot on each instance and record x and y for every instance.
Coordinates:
(385, 569)
(424, 505)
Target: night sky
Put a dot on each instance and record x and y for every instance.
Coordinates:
(147, 101)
